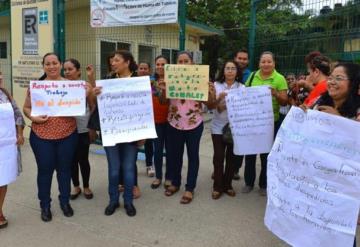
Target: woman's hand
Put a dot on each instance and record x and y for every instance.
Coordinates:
(304, 107)
(222, 96)
(20, 139)
(97, 91)
(39, 119)
(161, 84)
(329, 109)
(274, 92)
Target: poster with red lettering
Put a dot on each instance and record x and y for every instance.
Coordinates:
(58, 98)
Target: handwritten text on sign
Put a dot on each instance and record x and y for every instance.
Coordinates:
(126, 110)
(8, 149)
(187, 82)
(251, 119)
(58, 98)
(314, 180)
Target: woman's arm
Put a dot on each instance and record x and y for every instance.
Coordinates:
(161, 87)
(19, 134)
(90, 97)
(91, 75)
(281, 96)
(211, 103)
(27, 111)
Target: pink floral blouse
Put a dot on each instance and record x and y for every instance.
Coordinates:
(185, 114)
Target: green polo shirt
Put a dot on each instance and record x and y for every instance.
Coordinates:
(276, 81)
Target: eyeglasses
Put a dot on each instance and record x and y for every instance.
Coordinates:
(230, 68)
(337, 79)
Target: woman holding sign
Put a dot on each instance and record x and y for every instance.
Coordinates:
(72, 72)
(10, 162)
(185, 128)
(228, 79)
(265, 76)
(53, 141)
(121, 157)
(343, 93)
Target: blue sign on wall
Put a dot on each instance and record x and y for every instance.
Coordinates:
(43, 17)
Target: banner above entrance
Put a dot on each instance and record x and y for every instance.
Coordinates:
(114, 13)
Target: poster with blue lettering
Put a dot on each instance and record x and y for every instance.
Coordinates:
(126, 110)
(314, 180)
(58, 98)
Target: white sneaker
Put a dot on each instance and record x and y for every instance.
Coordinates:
(150, 171)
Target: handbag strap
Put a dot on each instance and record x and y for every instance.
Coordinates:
(251, 78)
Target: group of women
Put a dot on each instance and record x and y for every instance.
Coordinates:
(178, 123)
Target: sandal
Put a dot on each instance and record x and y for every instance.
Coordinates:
(76, 195)
(230, 192)
(215, 195)
(136, 192)
(88, 194)
(3, 222)
(167, 184)
(156, 184)
(185, 199)
(171, 190)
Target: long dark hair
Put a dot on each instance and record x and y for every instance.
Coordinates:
(128, 57)
(352, 103)
(221, 76)
(156, 76)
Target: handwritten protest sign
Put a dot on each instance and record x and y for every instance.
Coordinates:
(126, 110)
(251, 119)
(8, 149)
(58, 98)
(314, 180)
(187, 82)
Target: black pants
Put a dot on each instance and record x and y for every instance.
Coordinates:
(250, 166)
(177, 140)
(222, 152)
(238, 160)
(250, 170)
(81, 159)
(149, 152)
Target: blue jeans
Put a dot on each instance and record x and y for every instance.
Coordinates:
(54, 155)
(177, 139)
(122, 157)
(159, 144)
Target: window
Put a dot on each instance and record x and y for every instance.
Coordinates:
(170, 54)
(3, 50)
(146, 54)
(106, 49)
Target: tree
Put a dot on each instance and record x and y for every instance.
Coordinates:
(4, 5)
(275, 18)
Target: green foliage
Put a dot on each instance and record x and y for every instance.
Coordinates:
(4, 5)
(289, 28)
